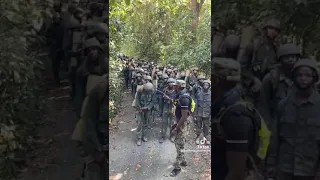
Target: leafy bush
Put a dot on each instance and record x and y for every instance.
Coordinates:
(20, 79)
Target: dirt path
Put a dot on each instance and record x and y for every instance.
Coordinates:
(55, 156)
(151, 160)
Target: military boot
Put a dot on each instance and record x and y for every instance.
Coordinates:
(198, 140)
(144, 139)
(162, 139)
(139, 142)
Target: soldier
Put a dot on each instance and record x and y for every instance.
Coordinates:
(295, 149)
(55, 37)
(96, 132)
(169, 98)
(164, 78)
(138, 81)
(182, 75)
(89, 66)
(276, 84)
(231, 146)
(179, 130)
(197, 87)
(126, 72)
(261, 56)
(148, 79)
(144, 104)
(203, 111)
(192, 79)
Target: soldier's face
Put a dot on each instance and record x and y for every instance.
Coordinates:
(93, 53)
(272, 33)
(304, 77)
(289, 61)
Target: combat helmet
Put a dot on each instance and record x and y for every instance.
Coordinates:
(159, 74)
(289, 49)
(100, 28)
(148, 78)
(309, 63)
(92, 42)
(181, 83)
(165, 76)
(207, 81)
(171, 80)
(226, 68)
(148, 86)
(138, 75)
(272, 23)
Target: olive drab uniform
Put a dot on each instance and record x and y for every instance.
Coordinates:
(167, 115)
(162, 85)
(96, 119)
(203, 112)
(197, 87)
(259, 58)
(191, 81)
(276, 84)
(144, 99)
(295, 145)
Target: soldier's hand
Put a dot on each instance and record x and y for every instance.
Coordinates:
(173, 133)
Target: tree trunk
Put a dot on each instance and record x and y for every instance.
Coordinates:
(196, 8)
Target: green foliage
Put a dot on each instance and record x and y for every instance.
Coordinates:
(20, 72)
(158, 31)
(299, 21)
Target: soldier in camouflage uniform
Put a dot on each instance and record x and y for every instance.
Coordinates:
(277, 83)
(197, 87)
(169, 98)
(203, 111)
(294, 147)
(161, 87)
(138, 81)
(260, 57)
(144, 103)
(192, 79)
(179, 130)
(96, 133)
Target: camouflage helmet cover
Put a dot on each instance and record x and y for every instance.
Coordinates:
(148, 78)
(226, 68)
(308, 63)
(181, 83)
(171, 80)
(165, 76)
(207, 81)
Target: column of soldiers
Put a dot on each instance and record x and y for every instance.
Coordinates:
(262, 90)
(78, 36)
(170, 92)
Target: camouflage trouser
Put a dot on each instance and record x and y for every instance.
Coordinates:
(203, 122)
(166, 122)
(161, 103)
(142, 120)
(95, 170)
(179, 143)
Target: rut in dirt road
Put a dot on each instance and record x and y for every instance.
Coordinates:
(151, 160)
(55, 155)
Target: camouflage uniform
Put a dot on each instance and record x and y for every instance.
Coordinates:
(164, 79)
(144, 99)
(182, 103)
(276, 84)
(295, 144)
(197, 87)
(203, 113)
(167, 108)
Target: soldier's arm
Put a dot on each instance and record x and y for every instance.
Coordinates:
(184, 103)
(264, 102)
(237, 128)
(246, 61)
(138, 99)
(91, 119)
